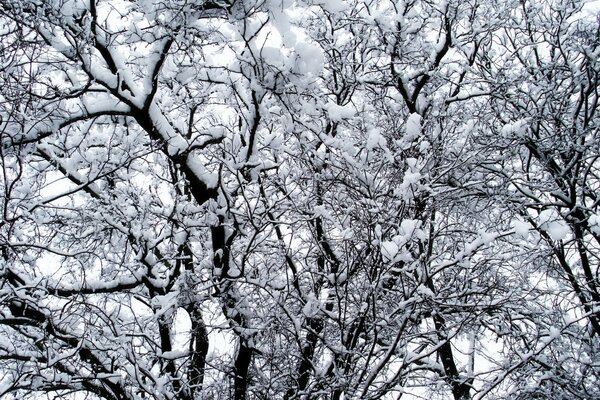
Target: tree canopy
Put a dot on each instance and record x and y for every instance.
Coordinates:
(312, 199)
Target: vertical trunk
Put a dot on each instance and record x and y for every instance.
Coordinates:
(198, 347)
(198, 350)
(460, 388)
(241, 367)
(225, 289)
(170, 368)
(305, 367)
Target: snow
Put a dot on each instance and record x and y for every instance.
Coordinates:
(411, 178)
(413, 127)
(176, 144)
(517, 128)
(557, 230)
(333, 6)
(594, 223)
(425, 291)
(274, 56)
(174, 354)
(280, 19)
(101, 104)
(312, 308)
(389, 250)
(310, 58)
(211, 180)
(180, 237)
(487, 237)
(375, 139)
(424, 146)
(552, 223)
(409, 226)
(278, 282)
(338, 113)
(291, 129)
(322, 212)
(165, 304)
(554, 332)
(150, 259)
(521, 228)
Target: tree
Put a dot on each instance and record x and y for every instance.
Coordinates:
(540, 163)
(264, 200)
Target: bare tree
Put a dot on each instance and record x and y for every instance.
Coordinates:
(540, 146)
(264, 200)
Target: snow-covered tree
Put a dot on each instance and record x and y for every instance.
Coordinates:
(541, 154)
(338, 199)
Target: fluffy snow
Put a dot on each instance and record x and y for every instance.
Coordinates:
(274, 56)
(281, 21)
(312, 308)
(554, 332)
(338, 113)
(409, 226)
(333, 6)
(413, 127)
(425, 291)
(557, 230)
(521, 228)
(211, 180)
(552, 223)
(389, 250)
(375, 139)
(310, 59)
(594, 223)
(517, 128)
(180, 237)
